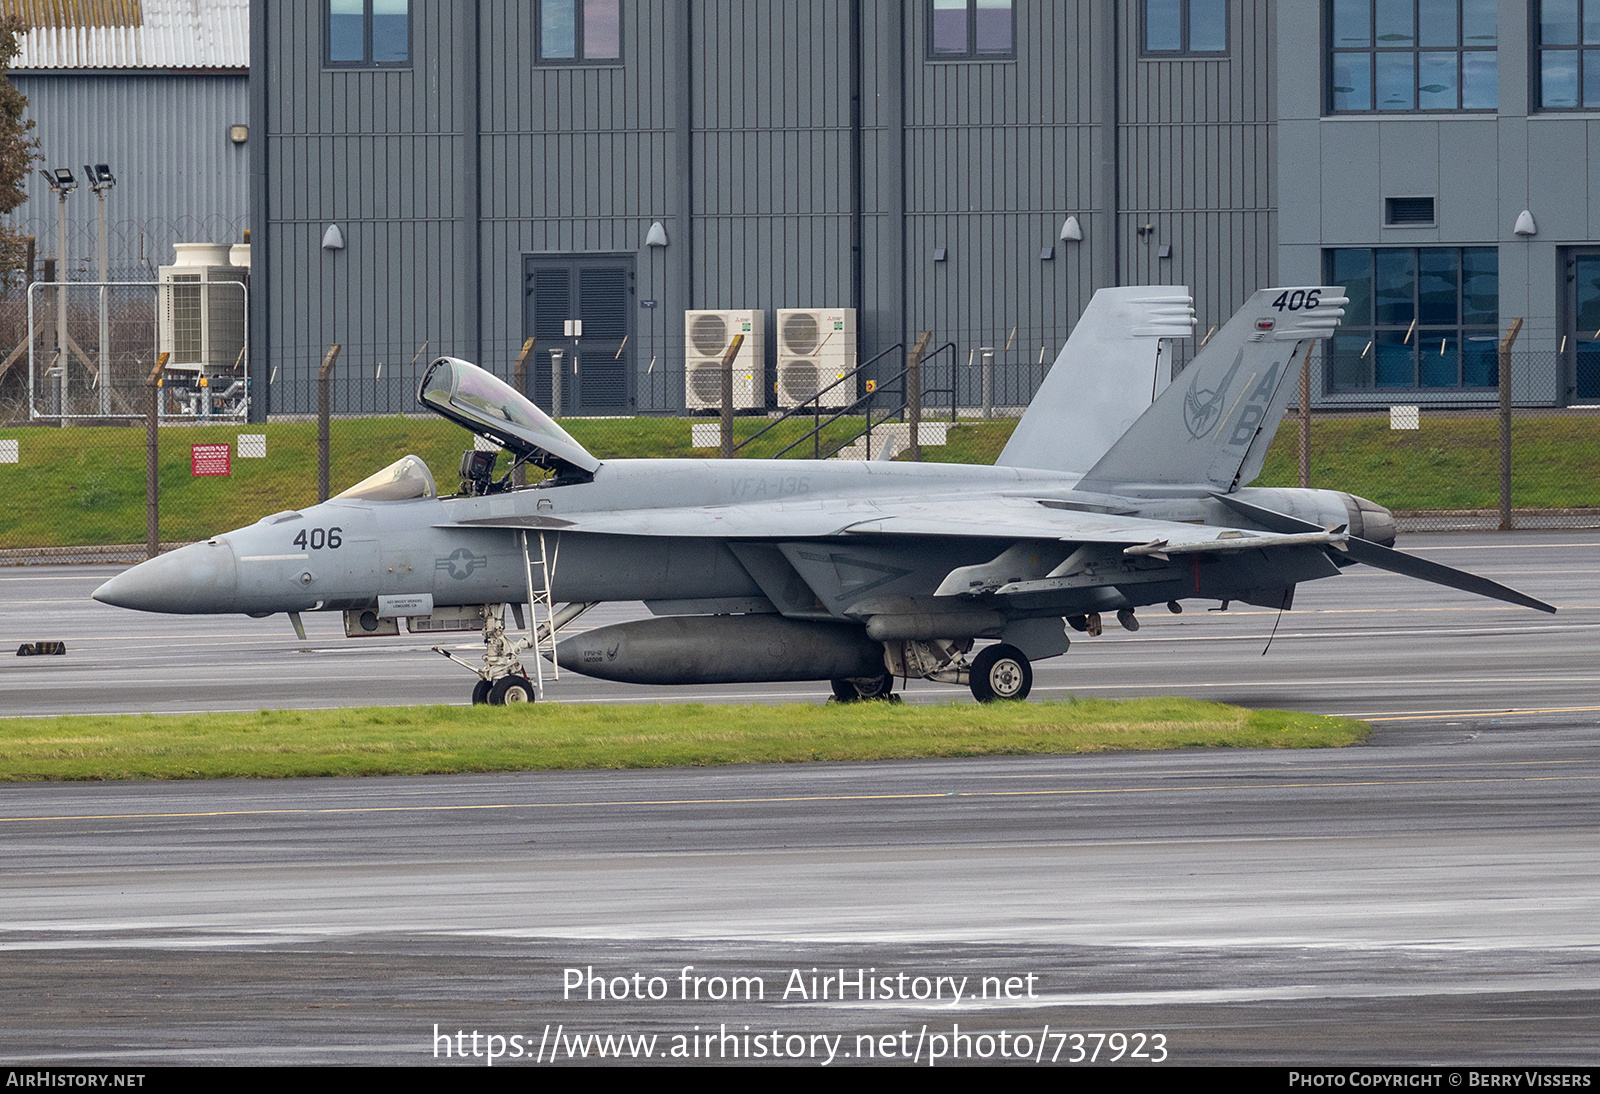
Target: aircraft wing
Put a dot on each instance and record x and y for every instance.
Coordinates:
(966, 516)
(990, 517)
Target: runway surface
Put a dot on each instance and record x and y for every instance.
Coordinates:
(1433, 897)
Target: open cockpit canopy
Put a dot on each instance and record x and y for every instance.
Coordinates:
(493, 409)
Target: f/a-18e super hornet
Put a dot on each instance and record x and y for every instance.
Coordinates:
(1113, 493)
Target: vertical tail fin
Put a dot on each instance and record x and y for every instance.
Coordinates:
(1103, 379)
(1212, 426)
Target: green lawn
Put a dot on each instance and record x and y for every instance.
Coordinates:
(1449, 463)
(86, 485)
(448, 740)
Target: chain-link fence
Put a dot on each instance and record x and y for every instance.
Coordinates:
(1453, 458)
(81, 491)
(82, 352)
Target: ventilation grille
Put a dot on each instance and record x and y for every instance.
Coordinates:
(801, 334)
(709, 335)
(800, 380)
(705, 385)
(1407, 212)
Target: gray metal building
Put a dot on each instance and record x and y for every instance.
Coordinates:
(453, 177)
(154, 89)
(1447, 166)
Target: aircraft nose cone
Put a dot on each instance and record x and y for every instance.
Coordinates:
(192, 580)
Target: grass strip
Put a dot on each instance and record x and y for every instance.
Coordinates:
(549, 736)
(86, 485)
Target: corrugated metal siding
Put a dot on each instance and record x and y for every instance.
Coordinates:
(574, 160)
(145, 34)
(179, 178)
(998, 154)
(771, 154)
(445, 177)
(1196, 162)
(380, 153)
(75, 13)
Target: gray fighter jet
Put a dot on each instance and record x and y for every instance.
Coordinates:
(1113, 494)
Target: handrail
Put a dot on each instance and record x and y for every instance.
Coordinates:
(845, 411)
(901, 377)
(951, 346)
(814, 403)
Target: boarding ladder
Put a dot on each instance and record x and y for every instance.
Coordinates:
(541, 638)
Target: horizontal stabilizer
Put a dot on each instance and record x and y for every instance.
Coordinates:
(1270, 519)
(1387, 558)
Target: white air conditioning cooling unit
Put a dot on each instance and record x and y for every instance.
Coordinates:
(816, 346)
(202, 309)
(706, 338)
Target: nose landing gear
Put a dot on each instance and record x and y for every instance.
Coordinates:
(502, 679)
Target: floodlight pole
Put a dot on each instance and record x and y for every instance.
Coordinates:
(61, 302)
(105, 323)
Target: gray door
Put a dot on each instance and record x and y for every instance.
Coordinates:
(583, 307)
(1583, 323)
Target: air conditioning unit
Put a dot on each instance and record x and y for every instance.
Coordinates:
(202, 327)
(816, 346)
(706, 338)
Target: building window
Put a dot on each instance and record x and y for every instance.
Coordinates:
(579, 32)
(1185, 28)
(971, 30)
(1569, 54)
(369, 33)
(1389, 56)
(1423, 317)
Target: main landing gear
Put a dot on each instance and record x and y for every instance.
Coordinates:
(859, 689)
(1000, 672)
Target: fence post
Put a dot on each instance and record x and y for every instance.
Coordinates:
(1505, 423)
(914, 392)
(519, 371)
(727, 395)
(555, 383)
(152, 462)
(519, 375)
(324, 411)
(1305, 422)
(986, 367)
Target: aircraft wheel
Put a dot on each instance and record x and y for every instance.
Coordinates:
(480, 692)
(511, 689)
(872, 687)
(1001, 672)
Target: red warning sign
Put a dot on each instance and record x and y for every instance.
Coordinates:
(210, 459)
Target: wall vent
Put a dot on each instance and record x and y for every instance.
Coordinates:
(1408, 212)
